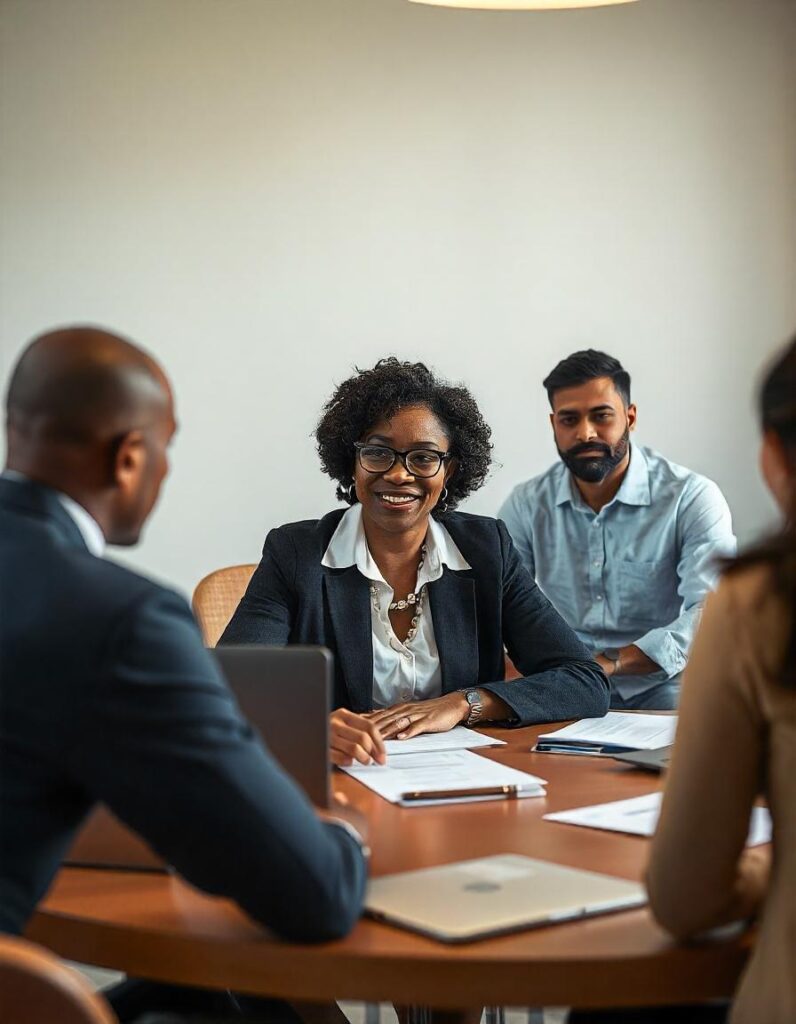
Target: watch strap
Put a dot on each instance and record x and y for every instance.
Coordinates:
(473, 698)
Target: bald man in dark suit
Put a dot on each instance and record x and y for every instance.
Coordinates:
(106, 691)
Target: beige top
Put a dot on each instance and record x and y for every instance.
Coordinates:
(736, 738)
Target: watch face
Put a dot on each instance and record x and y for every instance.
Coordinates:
(471, 697)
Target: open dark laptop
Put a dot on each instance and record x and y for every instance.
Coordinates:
(285, 692)
(651, 760)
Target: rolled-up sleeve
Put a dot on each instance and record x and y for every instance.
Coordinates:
(704, 537)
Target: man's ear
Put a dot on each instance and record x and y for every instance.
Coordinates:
(631, 416)
(129, 454)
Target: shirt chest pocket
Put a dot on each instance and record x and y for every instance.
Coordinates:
(647, 591)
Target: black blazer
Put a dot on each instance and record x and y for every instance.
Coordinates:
(293, 599)
(107, 694)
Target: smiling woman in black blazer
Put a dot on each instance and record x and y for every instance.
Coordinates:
(416, 601)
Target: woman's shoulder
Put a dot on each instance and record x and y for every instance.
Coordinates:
(469, 521)
(468, 524)
(473, 533)
(306, 534)
(749, 590)
(750, 607)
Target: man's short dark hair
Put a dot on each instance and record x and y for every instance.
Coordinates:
(581, 367)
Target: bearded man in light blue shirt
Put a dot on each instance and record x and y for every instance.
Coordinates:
(624, 543)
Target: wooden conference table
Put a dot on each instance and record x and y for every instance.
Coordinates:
(155, 926)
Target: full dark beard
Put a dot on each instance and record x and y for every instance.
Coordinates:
(596, 468)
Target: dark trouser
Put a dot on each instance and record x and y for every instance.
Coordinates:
(660, 697)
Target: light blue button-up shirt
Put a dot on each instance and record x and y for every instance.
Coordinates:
(637, 571)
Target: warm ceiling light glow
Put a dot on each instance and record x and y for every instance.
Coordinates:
(521, 5)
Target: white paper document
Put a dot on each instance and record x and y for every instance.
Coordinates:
(448, 776)
(616, 732)
(457, 738)
(639, 817)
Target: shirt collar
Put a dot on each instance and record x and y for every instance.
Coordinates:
(634, 489)
(89, 527)
(349, 546)
(566, 486)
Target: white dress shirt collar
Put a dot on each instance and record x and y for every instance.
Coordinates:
(349, 546)
(86, 523)
(89, 527)
(402, 670)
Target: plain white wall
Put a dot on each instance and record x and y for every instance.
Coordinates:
(266, 192)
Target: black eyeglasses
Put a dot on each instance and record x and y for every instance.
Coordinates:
(378, 458)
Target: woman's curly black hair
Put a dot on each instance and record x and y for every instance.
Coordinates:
(377, 394)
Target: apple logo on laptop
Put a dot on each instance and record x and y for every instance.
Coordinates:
(481, 887)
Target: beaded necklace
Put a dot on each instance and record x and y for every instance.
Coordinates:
(415, 599)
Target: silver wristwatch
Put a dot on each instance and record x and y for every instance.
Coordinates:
(473, 698)
(613, 654)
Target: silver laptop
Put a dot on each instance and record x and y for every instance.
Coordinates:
(477, 899)
(285, 692)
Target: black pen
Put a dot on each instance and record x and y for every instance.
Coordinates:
(553, 748)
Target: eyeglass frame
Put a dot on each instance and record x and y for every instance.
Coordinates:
(403, 456)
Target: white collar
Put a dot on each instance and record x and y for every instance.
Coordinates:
(86, 523)
(349, 546)
(89, 527)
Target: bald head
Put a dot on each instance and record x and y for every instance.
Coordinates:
(91, 415)
(82, 384)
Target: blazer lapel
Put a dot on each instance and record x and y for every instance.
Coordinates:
(452, 599)
(348, 595)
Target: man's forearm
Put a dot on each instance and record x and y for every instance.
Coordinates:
(632, 662)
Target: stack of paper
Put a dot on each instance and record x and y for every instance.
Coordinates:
(616, 733)
(639, 815)
(457, 738)
(445, 776)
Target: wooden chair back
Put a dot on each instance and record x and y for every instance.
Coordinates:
(217, 596)
(36, 988)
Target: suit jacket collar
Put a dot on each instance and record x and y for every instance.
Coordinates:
(36, 501)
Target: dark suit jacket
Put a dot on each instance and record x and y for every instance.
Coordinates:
(107, 694)
(293, 599)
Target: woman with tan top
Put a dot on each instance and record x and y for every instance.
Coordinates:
(736, 740)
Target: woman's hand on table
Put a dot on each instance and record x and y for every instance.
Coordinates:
(354, 737)
(402, 721)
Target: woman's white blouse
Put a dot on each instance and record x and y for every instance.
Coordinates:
(401, 672)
